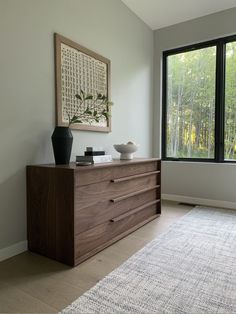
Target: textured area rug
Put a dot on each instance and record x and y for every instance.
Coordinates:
(189, 269)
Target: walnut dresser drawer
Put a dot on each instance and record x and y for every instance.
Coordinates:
(100, 174)
(74, 212)
(95, 239)
(89, 217)
(91, 194)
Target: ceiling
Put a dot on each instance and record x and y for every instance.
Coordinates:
(161, 13)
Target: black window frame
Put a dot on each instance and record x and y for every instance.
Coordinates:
(220, 45)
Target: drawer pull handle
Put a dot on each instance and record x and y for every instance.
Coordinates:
(134, 211)
(135, 176)
(121, 198)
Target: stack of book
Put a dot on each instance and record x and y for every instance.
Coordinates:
(93, 155)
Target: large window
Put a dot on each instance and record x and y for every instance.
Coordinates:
(199, 102)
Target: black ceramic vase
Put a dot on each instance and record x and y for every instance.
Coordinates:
(62, 140)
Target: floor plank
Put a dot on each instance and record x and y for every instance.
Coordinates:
(14, 300)
(30, 283)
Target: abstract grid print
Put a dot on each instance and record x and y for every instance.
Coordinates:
(189, 269)
(80, 71)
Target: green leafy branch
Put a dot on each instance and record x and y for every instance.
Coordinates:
(91, 113)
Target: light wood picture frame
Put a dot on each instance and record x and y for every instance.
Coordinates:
(76, 68)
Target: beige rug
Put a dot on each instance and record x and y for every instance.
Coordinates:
(189, 269)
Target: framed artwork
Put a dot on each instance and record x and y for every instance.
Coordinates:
(79, 69)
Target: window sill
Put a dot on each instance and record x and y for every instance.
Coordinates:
(204, 162)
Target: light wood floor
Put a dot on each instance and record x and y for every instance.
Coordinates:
(30, 283)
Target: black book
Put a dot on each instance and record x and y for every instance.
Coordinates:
(94, 153)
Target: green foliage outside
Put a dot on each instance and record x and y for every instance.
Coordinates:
(191, 103)
(230, 102)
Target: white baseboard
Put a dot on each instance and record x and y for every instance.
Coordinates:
(198, 201)
(13, 250)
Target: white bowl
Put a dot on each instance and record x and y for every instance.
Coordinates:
(126, 150)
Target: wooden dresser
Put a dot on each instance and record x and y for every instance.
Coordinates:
(74, 212)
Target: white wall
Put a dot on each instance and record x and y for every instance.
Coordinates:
(194, 180)
(27, 105)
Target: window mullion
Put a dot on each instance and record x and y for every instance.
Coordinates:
(219, 100)
(164, 107)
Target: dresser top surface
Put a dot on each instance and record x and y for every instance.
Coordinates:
(115, 162)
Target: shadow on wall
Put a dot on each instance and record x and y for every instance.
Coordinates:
(34, 149)
(13, 209)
